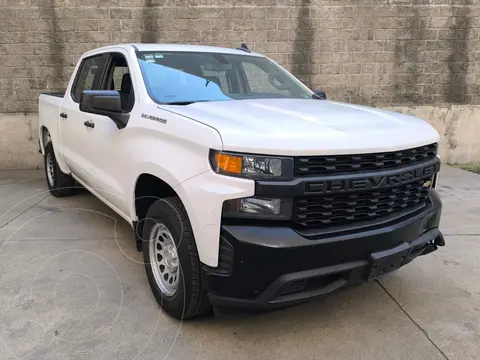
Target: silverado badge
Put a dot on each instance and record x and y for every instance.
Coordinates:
(154, 118)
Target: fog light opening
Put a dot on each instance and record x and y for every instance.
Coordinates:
(258, 208)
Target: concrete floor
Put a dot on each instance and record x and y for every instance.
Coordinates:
(72, 286)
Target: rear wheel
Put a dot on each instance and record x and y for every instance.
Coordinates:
(59, 184)
(171, 260)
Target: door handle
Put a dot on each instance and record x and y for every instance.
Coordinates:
(63, 115)
(89, 124)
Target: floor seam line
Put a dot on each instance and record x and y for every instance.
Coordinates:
(23, 212)
(453, 234)
(412, 320)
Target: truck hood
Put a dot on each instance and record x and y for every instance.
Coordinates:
(307, 127)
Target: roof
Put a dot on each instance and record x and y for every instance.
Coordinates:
(178, 48)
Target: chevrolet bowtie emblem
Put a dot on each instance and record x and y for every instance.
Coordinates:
(427, 184)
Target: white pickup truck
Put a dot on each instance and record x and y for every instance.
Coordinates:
(245, 189)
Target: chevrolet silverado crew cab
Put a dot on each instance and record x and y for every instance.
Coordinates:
(245, 189)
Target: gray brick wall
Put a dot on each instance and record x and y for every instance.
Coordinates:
(374, 52)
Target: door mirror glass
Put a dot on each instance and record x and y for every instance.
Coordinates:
(320, 95)
(106, 103)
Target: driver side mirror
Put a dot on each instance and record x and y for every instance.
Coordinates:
(106, 103)
(320, 95)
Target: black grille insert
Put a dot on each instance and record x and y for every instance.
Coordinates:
(349, 164)
(347, 208)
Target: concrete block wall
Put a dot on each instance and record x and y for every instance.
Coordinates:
(410, 55)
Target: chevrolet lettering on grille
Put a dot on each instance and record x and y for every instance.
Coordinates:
(371, 182)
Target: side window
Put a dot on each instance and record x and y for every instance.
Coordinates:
(88, 76)
(259, 82)
(118, 73)
(118, 78)
(219, 77)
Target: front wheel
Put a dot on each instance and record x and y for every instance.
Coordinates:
(59, 184)
(171, 260)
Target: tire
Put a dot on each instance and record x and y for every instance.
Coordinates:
(58, 183)
(190, 297)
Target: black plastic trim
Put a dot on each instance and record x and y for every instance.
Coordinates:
(286, 237)
(303, 186)
(225, 259)
(347, 274)
(277, 265)
(94, 101)
(323, 165)
(244, 47)
(138, 236)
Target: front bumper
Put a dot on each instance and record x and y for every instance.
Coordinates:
(268, 267)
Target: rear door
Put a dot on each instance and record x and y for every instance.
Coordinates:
(75, 126)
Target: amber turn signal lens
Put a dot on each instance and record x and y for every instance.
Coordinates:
(229, 163)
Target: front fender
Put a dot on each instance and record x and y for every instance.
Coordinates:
(203, 197)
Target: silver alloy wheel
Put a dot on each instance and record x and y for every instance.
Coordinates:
(164, 259)
(50, 173)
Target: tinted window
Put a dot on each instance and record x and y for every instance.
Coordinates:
(259, 81)
(118, 78)
(118, 75)
(88, 76)
(220, 77)
(184, 77)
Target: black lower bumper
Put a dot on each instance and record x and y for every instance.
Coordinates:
(268, 267)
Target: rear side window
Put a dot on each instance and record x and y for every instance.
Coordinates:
(88, 76)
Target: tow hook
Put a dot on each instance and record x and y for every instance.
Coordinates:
(430, 247)
(433, 245)
(439, 240)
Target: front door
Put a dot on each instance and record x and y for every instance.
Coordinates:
(108, 167)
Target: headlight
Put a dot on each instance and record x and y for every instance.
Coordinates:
(258, 208)
(252, 166)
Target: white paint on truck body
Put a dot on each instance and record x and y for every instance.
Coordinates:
(108, 161)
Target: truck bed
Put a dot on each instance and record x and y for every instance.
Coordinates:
(49, 106)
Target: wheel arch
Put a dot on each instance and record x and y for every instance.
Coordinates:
(150, 186)
(44, 138)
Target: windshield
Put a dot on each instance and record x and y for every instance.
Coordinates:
(186, 77)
